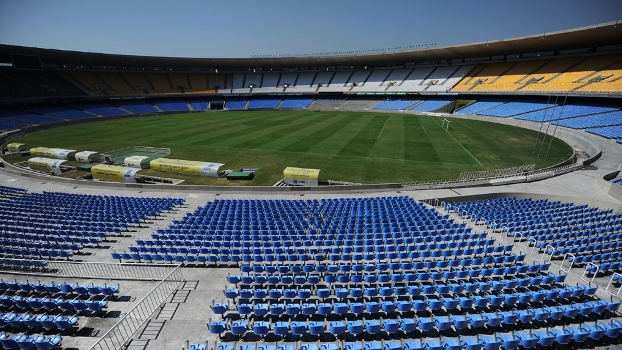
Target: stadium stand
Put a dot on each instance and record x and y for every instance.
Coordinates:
(516, 107)
(172, 105)
(199, 105)
(304, 82)
(322, 79)
(593, 121)
(545, 77)
(12, 117)
(358, 77)
(396, 77)
(136, 106)
(614, 132)
(414, 81)
(59, 112)
(296, 103)
(236, 104)
(53, 225)
(373, 81)
(446, 82)
(100, 109)
(566, 111)
(263, 103)
(338, 82)
(270, 83)
(89, 82)
(431, 105)
(395, 105)
(479, 106)
(161, 83)
(39, 84)
(589, 74)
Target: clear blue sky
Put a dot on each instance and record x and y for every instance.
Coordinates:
(241, 28)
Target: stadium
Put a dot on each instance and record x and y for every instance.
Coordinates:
(469, 198)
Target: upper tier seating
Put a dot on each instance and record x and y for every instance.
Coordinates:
(19, 84)
(571, 74)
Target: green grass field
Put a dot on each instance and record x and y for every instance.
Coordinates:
(347, 146)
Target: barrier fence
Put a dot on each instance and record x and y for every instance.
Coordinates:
(123, 331)
(96, 270)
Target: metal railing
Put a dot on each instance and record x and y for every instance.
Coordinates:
(96, 270)
(493, 173)
(123, 331)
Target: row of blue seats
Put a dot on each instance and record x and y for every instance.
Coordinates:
(293, 229)
(35, 321)
(83, 230)
(594, 236)
(84, 241)
(26, 341)
(436, 235)
(181, 255)
(394, 266)
(607, 131)
(9, 243)
(346, 253)
(577, 242)
(12, 191)
(415, 289)
(597, 258)
(604, 268)
(508, 341)
(51, 305)
(584, 249)
(429, 303)
(56, 288)
(26, 223)
(407, 325)
(17, 253)
(329, 246)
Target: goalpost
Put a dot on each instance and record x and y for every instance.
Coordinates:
(445, 124)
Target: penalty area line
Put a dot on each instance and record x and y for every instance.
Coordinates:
(458, 142)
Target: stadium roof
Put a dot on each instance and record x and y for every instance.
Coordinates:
(600, 35)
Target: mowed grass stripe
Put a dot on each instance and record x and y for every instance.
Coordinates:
(275, 133)
(417, 145)
(333, 144)
(446, 147)
(390, 142)
(306, 143)
(284, 143)
(361, 144)
(227, 136)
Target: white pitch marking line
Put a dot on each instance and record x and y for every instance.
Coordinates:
(385, 124)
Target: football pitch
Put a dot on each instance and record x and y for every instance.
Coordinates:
(360, 147)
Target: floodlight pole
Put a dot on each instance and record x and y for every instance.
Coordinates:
(556, 124)
(541, 123)
(546, 132)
